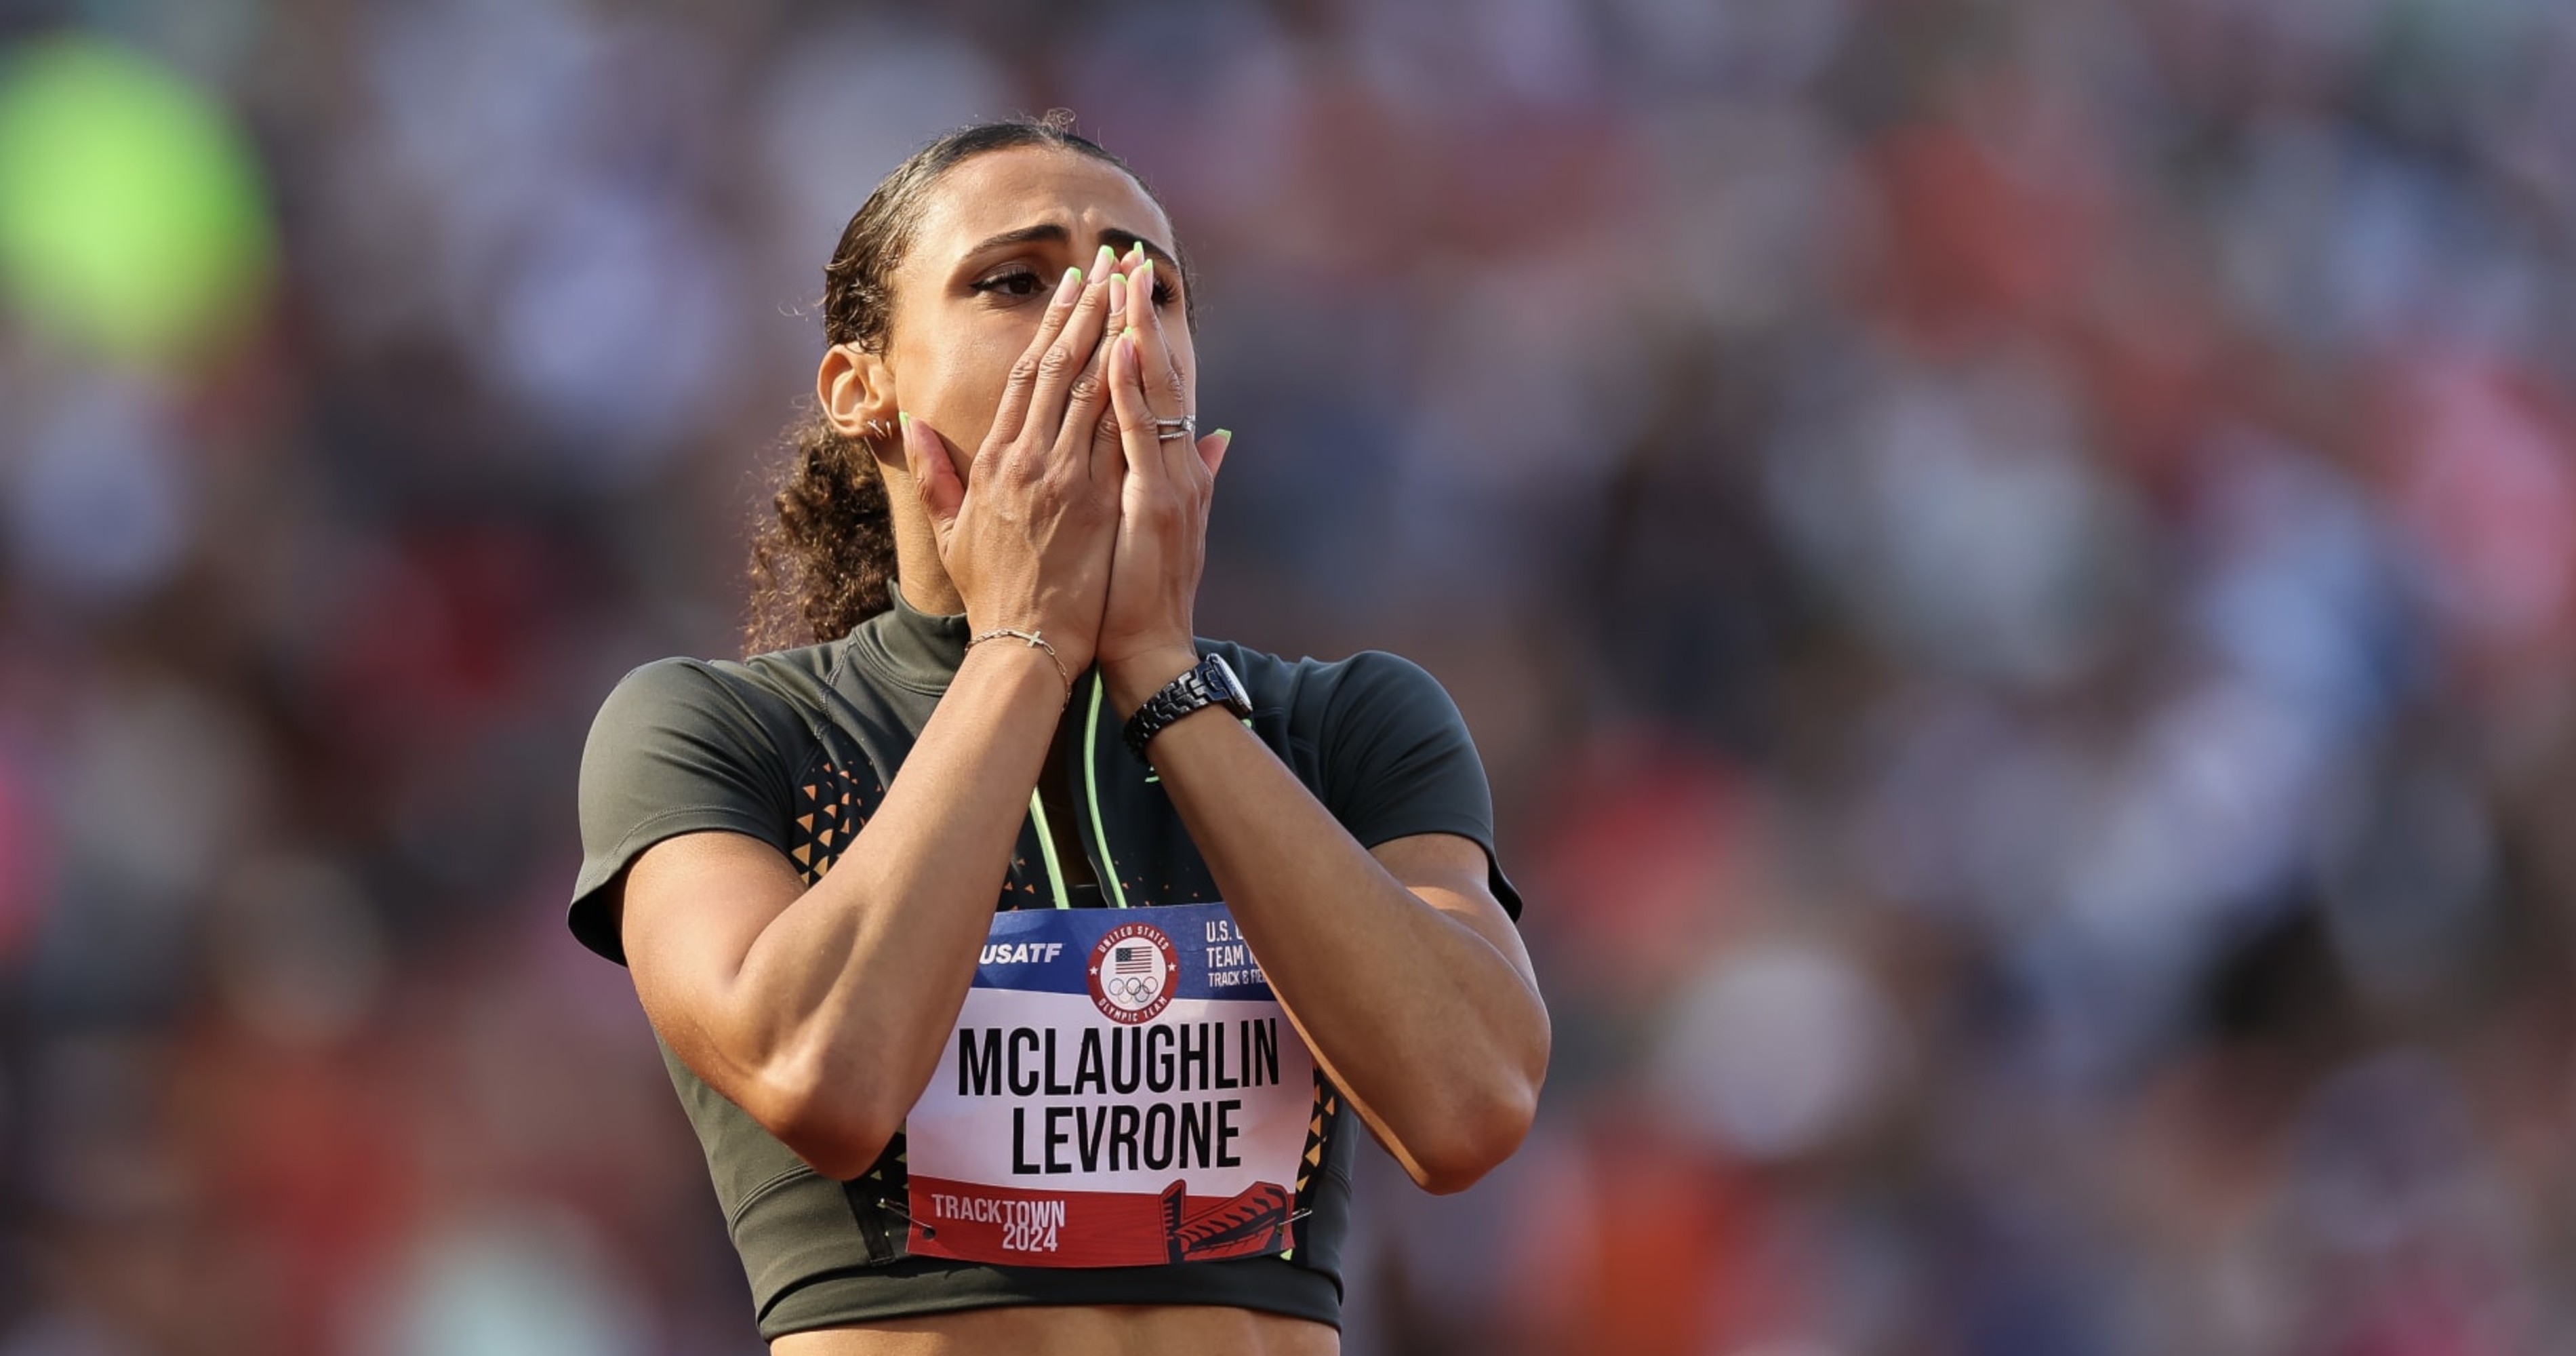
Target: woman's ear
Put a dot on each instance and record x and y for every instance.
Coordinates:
(856, 390)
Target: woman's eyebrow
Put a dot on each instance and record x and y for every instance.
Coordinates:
(1045, 230)
(1052, 233)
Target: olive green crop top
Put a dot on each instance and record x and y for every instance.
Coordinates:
(796, 748)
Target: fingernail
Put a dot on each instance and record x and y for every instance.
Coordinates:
(1225, 437)
(1127, 333)
(1069, 284)
(1127, 341)
(1108, 260)
(1137, 250)
(1117, 302)
(905, 416)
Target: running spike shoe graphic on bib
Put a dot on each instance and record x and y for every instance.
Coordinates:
(1122, 1089)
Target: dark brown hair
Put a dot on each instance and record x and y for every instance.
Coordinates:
(819, 565)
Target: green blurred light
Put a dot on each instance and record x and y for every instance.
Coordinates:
(132, 214)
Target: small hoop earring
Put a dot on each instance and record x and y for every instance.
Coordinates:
(878, 428)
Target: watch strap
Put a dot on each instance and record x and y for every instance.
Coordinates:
(1206, 683)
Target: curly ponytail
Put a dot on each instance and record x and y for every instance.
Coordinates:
(821, 559)
(819, 566)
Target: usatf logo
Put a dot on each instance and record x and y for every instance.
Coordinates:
(1133, 972)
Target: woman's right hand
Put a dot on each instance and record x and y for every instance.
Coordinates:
(1026, 535)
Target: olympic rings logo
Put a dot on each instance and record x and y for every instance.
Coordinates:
(1133, 970)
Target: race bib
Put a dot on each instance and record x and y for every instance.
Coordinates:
(1122, 1089)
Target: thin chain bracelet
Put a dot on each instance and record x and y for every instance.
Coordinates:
(1035, 642)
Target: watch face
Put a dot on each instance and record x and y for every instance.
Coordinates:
(1227, 688)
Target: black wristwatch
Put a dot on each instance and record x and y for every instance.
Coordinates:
(1211, 683)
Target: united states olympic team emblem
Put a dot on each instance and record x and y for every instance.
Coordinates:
(1133, 973)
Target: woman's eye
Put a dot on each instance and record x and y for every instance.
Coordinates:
(1162, 290)
(1016, 283)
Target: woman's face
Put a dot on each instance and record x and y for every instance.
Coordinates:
(995, 235)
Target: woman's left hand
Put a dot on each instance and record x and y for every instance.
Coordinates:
(1145, 631)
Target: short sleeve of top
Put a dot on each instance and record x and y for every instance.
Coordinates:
(1397, 760)
(674, 749)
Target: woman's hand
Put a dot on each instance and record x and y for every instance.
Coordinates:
(1027, 537)
(1145, 633)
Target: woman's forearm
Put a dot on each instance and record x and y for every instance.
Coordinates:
(847, 996)
(1436, 1036)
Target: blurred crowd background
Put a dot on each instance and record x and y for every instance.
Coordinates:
(2013, 564)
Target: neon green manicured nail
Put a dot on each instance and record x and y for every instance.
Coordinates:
(905, 416)
(1225, 434)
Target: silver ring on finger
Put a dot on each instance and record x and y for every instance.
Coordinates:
(1165, 430)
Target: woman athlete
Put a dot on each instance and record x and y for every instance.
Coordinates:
(936, 1124)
